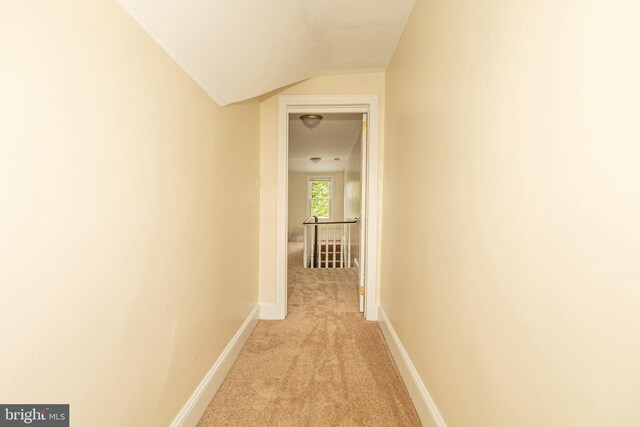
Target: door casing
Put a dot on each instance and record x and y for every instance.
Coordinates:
(298, 104)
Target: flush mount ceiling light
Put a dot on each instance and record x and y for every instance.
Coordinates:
(311, 120)
(315, 159)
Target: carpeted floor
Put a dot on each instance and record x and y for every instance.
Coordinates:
(322, 366)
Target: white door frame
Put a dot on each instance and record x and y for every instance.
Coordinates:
(288, 104)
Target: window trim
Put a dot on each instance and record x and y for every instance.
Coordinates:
(312, 178)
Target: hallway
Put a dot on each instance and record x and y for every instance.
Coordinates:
(322, 365)
(149, 187)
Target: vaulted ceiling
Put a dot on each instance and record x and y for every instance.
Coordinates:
(239, 49)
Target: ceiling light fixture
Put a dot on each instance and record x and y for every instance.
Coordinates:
(315, 159)
(311, 120)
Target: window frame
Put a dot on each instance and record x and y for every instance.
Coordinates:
(322, 178)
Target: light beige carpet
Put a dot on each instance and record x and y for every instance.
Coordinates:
(322, 366)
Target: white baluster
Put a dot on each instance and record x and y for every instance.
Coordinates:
(313, 252)
(326, 247)
(304, 254)
(342, 248)
(333, 263)
(349, 245)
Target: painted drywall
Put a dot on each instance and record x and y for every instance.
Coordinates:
(331, 140)
(297, 209)
(241, 49)
(511, 239)
(372, 83)
(298, 201)
(129, 219)
(353, 195)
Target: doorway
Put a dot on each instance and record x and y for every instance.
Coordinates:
(362, 106)
(325, 193)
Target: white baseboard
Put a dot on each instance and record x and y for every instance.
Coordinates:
(269, 311)
(424, 404)
(192, 411)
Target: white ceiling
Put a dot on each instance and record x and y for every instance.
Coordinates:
(334, 137)
(239, 49)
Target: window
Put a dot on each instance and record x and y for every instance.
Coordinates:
(319, 197)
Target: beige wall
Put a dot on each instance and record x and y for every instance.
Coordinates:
(298, 200)
(297, 209)
(128, 220)
(328, 85)
(511, 240)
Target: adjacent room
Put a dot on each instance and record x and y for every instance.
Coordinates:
(324, 197)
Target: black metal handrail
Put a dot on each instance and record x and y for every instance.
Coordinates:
(327, 222)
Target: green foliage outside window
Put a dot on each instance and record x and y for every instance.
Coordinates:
(321, 199)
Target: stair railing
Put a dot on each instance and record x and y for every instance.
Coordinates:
(327, 244)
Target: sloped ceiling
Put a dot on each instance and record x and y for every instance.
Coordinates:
(239, 49)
